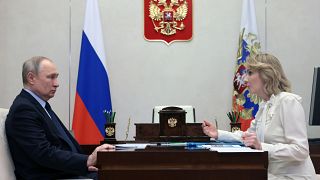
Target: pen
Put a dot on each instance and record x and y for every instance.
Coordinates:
(216, 123)
(112, 116)
(196, 144)
(184, 144)
(105, 112)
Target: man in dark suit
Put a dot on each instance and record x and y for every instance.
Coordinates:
(40, 145)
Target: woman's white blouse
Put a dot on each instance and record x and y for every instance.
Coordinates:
(280, 126)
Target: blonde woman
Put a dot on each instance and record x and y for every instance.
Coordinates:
(279, 126)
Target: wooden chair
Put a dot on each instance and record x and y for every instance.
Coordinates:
(190, 116)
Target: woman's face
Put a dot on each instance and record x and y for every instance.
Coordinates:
(255, 83)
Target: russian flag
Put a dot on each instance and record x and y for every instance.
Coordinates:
(243, 101)
(93, 93)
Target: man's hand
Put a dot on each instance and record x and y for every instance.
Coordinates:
(92, 159)
(250, 140)
(209, 129)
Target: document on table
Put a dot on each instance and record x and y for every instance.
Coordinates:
(230, 148)
(132, 146)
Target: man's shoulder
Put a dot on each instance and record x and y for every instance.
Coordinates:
(21, 103)
(21, 100)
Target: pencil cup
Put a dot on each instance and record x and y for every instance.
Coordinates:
(110, 131)
(235, 127)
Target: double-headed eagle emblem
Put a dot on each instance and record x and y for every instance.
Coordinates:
(168, 17)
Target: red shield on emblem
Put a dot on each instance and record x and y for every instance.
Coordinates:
(239, 83)
(168, 20)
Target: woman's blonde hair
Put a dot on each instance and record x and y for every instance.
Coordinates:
(271, 73)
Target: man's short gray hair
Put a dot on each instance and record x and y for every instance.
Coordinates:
(32, 65)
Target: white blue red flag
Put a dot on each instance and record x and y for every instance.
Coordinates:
(93, 93)
(243, 101)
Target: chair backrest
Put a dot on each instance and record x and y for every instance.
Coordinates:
(190, 116)
(6, 164)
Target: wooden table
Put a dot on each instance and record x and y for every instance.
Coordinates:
(181, 164)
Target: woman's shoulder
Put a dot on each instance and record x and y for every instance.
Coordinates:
(286, 96)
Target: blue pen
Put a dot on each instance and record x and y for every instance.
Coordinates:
(196, 144)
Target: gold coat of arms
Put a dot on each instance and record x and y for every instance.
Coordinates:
(168, 20)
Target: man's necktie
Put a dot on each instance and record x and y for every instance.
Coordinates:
(56, 122)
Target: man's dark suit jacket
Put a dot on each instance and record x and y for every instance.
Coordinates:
(37, 150)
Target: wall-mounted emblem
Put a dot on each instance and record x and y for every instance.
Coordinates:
(168, 20)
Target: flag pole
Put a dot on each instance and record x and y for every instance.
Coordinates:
(265, 24)
(69, 113)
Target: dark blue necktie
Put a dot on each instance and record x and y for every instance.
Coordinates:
(61, 131)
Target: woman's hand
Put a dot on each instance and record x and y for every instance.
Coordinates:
(250, 140)
(209, 129)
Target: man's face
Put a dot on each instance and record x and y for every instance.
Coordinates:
(45, 83)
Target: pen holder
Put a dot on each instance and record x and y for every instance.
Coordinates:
(235, 127)
(110, 132)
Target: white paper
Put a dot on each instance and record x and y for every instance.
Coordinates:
(132, 145)
(230, 148)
